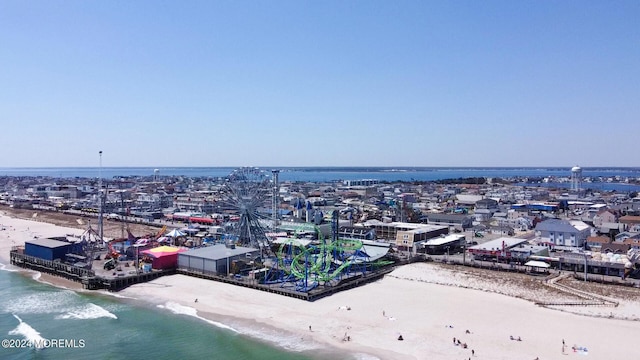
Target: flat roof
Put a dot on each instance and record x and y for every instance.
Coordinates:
(217, 252)
(496, 244)
(301, 242)
(421, 228)
(48, 243)
(528, 248)
(441, 240)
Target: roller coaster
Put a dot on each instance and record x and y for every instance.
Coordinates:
(303, 264)
(297, 262)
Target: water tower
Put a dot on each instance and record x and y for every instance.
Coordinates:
(576, 178)
(155, 174)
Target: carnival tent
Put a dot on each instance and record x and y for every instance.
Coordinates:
(164, 257)
(175, 233)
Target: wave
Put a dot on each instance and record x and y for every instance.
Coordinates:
(46, 302)
(89, 311)
(189, 311)
(286, 340)
(28, 333)
(8, 268)
(115, 295)
(362, 356)
(36, 275)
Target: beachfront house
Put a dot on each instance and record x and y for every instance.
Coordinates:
(563, 233)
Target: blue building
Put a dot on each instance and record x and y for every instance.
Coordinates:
(47, 249)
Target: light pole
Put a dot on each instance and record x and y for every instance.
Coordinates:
(100, 219)
(464, 253)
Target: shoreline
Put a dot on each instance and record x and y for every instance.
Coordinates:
(427, 304)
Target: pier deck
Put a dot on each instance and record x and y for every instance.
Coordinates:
(91, 281)
(86, 277)
(311, 295)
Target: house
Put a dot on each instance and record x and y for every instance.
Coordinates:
(629, 221)
(485, 209)
(604, 216)
(467, 199)
(490, 204)
(563, 233)
(615, 248)
(633, 243)
(502, 230)
(595, 243)
(458, 221)
(626, 235)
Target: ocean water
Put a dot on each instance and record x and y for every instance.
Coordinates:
(100, 326)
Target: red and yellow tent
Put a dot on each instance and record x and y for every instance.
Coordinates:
(164, 257)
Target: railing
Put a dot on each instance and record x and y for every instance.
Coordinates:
(49, 266)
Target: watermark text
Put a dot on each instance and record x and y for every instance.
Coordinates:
(43, 343)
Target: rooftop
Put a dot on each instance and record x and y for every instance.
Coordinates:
(217, 252)
(497, 244)
(48, 243)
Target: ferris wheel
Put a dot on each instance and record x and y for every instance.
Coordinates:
(247, 192)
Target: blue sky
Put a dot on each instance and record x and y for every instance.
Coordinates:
(325, 83)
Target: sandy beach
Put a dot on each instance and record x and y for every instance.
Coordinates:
(428, 304)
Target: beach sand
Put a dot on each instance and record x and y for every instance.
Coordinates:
(425, 303)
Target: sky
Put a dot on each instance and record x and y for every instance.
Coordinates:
(319, 83)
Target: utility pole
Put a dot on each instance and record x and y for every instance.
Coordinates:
(100, 201)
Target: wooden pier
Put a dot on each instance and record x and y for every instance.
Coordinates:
(86, 277)
(311, 295)
(91, 281)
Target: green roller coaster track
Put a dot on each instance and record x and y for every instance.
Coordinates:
(315, 262)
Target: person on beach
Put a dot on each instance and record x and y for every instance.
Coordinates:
(309, 327)
(196, 300)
